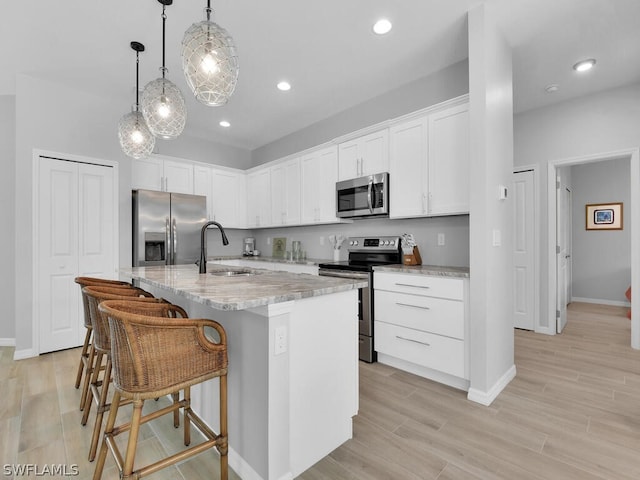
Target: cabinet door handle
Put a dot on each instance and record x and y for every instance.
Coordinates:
(411, 285)
(412, 340)
(414, 306)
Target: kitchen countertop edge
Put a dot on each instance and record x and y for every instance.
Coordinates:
(191, 289)
(433, 270)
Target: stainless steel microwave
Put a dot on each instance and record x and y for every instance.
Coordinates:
(363, 197)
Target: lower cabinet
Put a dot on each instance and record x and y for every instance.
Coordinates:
(421, 325)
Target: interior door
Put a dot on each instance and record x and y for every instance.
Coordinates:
(76, 225)
(523, 256)
(57, 301)
(563, 217)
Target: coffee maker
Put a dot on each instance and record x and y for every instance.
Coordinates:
(249, 247)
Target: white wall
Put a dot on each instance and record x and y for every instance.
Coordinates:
(445, 84)
(491, 286)
(52, 117)
(604, 122)
(601, 258)
(7, 215)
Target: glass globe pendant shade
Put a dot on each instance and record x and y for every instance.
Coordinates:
(163, 108)
(136, 139)
(210, 63)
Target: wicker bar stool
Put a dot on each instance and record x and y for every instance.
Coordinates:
(91, 354)
(101, 348)
(84, 353)
(157, 356)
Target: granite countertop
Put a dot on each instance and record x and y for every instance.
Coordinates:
(260, 258)
(440, 271)
(240, 292)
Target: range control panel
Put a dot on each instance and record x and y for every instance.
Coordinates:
(389, 243)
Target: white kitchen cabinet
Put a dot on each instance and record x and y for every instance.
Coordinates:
(229, 198)
(319, 173)
(449, 153)
(364, 155)
(421, 325)
(408, 183)
(259, 198)
(429, 164)
(285, 193)
(225, 192)
(156, 173)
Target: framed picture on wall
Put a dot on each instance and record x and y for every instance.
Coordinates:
(604, 216)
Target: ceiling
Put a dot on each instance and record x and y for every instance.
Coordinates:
(324, 48)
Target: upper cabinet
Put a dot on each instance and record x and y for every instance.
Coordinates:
(429, 164)
(319, 173)
(155, 173)
(364, 155)
(449, 161)
(226, 193)
(408, 184)
(259, 198)
(285, 193)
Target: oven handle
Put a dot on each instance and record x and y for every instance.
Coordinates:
(370, 195)
(343, 274)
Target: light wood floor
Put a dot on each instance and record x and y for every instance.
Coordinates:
(572, 412)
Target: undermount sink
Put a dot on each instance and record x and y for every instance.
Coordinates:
(232, 273)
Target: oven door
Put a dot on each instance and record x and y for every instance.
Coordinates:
(363, 197)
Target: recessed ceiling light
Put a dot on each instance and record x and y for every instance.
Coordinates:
(284, 86)
(584, 65)
(552, 88)
(382, 26)
(225, 124)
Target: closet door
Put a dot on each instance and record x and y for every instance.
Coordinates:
(76, 235)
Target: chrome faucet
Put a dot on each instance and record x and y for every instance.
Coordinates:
(203, 244)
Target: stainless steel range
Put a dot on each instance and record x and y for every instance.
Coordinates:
(364, 254)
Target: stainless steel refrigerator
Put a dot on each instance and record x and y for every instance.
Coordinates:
(166, 227)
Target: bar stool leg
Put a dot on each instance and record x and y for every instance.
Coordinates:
(133, 439)
(187, 421)
(87, 376)
(84, 355)
(176, 414)
(94, 384)
(224, 447)
(102, 407)
(108, 430)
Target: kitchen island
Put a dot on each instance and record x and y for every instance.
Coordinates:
(293, 360)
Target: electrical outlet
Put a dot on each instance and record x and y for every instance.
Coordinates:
(321, 241)
(441, 239)
(268, 240)
(280, 344)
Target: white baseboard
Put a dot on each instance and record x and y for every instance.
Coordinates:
(26, 353)
(7, 342)
(487, 398)
(600, 301)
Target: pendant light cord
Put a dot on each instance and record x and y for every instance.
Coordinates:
(137, 80)
(164, 21)
(208, 10)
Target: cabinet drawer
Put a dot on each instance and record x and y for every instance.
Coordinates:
(428, 350)
(429, 314)
(452, 288)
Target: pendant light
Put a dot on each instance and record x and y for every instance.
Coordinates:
(136, 139)
(209, 61)
(163, 105)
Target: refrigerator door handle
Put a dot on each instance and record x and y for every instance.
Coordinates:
(175, 242)
(169, 245)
